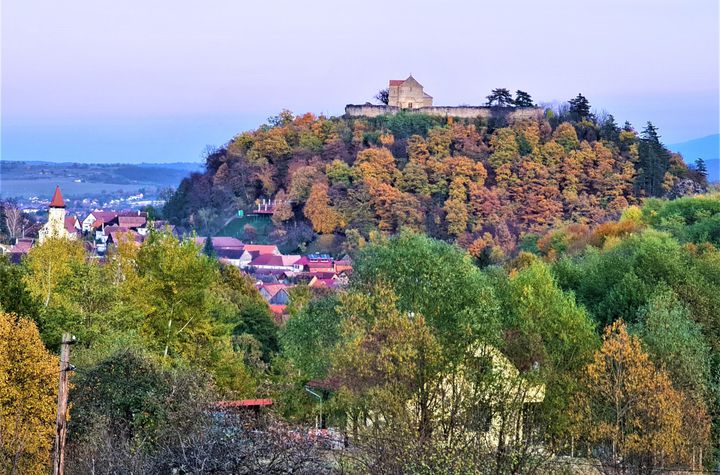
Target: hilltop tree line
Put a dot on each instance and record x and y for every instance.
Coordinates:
(617, 322)
(486, 185)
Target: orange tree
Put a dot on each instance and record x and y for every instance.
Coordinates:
(632, 416)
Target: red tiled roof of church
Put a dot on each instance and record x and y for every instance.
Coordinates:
(57, 199)
(396, 82)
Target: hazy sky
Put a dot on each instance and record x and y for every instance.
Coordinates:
(157, 80)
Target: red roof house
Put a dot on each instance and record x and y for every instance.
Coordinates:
(262, 248)
(132, 222)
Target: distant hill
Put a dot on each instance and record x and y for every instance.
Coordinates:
(184, 166)
(707, 148)
(80, 180)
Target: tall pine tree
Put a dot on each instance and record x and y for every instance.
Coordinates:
(579, 108)
(653, 162)
(523, 99)
(701, 167)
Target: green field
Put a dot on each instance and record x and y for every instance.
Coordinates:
(262, 225)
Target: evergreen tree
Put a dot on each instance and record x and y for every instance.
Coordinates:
(579, 108)
(609, 130)
(701, 168)
(500, 97)
(653, 162)
(208, 248)
(523, 99)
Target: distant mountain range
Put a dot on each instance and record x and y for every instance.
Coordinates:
(707, 148)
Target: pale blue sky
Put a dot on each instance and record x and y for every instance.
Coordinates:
(102, 80)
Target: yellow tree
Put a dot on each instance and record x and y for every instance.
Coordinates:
(456, 208)
(376, 165)
(28, 383)
(322, 216)
(49, 265)
(417, 149)
(630, 407)
(396, 209)
(505, 148)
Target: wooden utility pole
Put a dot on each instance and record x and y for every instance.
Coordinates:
(61, 422)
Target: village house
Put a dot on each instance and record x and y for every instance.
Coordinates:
(117, 234)
(97, 219)
(317, 263)
(231, 257)
(73, 226)
(135, 220)
(275, 262)
(17, 251)
(509, 398)
(262, 248)
(275, 294)
(343, 264)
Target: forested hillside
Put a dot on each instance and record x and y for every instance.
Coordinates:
(485, 184)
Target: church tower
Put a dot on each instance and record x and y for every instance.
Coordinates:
(55, 226)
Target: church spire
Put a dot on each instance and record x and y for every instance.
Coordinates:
(57, 199)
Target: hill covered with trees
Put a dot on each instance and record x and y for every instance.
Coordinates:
(488, 185)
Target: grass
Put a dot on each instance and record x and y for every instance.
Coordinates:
(235, 228)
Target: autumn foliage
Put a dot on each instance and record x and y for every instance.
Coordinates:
(454, 179)
(28, 391)
(631, 409)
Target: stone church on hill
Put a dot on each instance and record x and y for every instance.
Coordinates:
(408, 94)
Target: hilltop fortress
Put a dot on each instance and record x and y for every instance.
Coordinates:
(408, 95)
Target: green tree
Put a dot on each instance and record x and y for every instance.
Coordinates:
(701, 170)
(500, 97)
(456, 298)
(48, 266)
(523, 99)
(546, 331)
(579, 108)
(14, 294)
(339, 172)
(414, 179)
(653, 163)
(174, 280)
(675, 341)
(208, 248)
(255, 320)
(310, 337)
(609, 130)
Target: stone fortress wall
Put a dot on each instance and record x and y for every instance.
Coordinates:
(464, 112)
